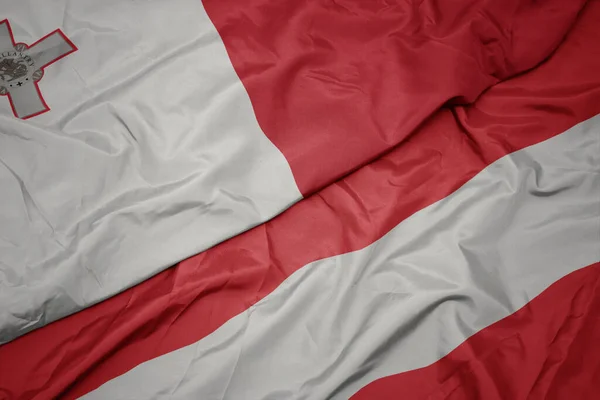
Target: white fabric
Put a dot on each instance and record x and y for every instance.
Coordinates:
(151, 153)
(406, 300)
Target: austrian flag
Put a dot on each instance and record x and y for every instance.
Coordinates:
(279, 199)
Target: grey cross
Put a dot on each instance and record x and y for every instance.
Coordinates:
(24, 95)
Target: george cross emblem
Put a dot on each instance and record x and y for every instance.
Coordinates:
(22, 67)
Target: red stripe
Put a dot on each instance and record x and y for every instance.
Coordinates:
(546, 350)
(186, 303)
(335, 84)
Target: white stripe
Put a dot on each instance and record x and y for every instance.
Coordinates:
(409, 298)
(151, 154)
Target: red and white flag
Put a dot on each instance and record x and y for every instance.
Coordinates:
(444, 243)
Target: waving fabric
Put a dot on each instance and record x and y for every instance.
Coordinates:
(376, 199)
(163, 128)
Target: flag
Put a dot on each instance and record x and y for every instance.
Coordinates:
(172, 126)
(468, 250)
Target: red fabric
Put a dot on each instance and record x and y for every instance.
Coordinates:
(184, 304)
(335, 84)
(546, 350)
